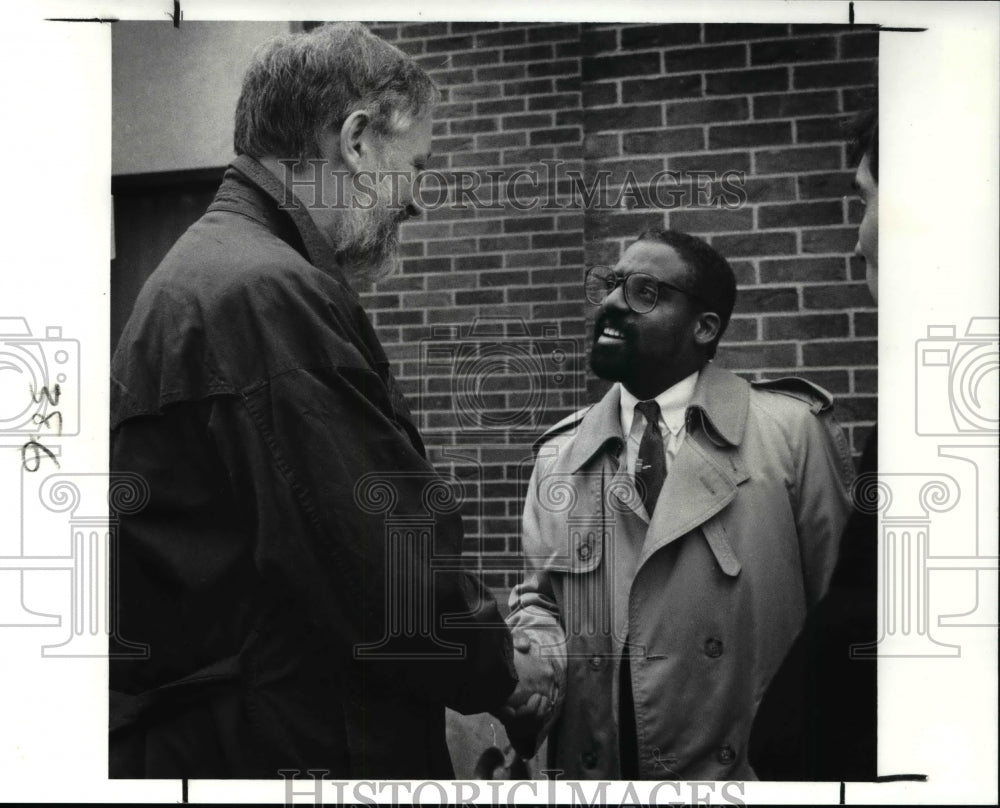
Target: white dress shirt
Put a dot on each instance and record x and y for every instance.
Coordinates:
(673, 406)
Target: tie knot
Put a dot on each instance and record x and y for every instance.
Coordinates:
(650, 411)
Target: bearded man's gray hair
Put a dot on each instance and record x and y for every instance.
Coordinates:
(300, 85)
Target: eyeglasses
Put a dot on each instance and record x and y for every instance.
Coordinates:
(642, 291)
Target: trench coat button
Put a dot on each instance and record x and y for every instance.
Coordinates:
(595, 662)
(713, 647)
(584, 551)
(589, 760)
(726, 754)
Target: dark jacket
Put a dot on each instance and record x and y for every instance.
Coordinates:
(819, 718)
(293, 573)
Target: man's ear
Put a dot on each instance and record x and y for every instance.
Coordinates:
(706, 327)
(355, 140)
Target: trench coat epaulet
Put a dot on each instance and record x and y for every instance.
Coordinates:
(566, 424)
(818, 399)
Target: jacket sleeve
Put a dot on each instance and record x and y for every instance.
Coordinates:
(356, 526)
(824, 471)
(534, 608)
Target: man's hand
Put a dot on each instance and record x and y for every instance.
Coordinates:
(534, 697)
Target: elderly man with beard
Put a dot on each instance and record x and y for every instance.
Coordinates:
(258, 626)
(675, 533)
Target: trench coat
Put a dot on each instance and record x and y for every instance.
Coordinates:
(706, 597)
(277, 599)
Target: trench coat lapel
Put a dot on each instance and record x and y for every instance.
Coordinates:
(708, 469)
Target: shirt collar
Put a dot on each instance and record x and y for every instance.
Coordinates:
(720, 399)
(673, 404)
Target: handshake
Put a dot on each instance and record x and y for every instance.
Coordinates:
(533, 706)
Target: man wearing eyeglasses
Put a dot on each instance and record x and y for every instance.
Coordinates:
(675, 533)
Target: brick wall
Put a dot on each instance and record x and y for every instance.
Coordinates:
(487, 324)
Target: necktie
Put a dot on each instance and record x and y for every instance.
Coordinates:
(651, 464)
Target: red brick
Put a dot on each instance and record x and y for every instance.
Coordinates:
(865, 381)
(423, 30)
(475, 92)
(532, 87)
(548, 136)
(830, 240)
(400, 317)
(471, 27)
(569, 49)
(855, 99)
(451, 247)
(664, 141)
(501, 107)
(480, 261)
(532, 294)
(738, 82)
(503, 243)
(538, 120)
(518, 157)
(426, 265)
(600, 95)
(769, 189)
(745, 244)
(449, 78)
(470, 126)
(475, 159)
(530, 259)
(553, 33)
(719, 162)
(660, 89)
(507, 140)
(800, 214)
(767, 299)
(802, 270)
(843, 352)
(834, 74)
(613, 67)
(741, 329)
(500, 38)
(749, 134)
(479, 297)
(503, 278)
(547, 240)
(635, 37)
(569, 117)
(561, 101)
(836, 297)
(758, 355)
(596, 41)
(383, 301)
(859, 46)
(528, 224)
(556, 310)
(637, 116)
(789, 105)
(833, 185)
(711, 220)
(789, 161)
(554, 67)
(865, 324)
(793, 50)
(714, 57)
(528, 53)
(511, 72)
(620, 225)
(727, 32)
(562, 275)
(817, 130)
(806, 326)
(712, 110)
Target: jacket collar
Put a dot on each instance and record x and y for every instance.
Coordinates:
(720, 402)
(249, 189)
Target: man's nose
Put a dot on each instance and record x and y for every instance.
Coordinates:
(616, 299)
